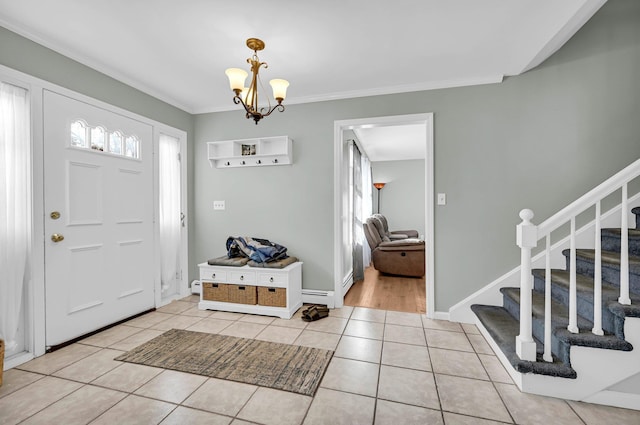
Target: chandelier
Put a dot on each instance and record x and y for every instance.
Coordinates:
(248, 96)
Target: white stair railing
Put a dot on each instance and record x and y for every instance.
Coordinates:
(527, 237)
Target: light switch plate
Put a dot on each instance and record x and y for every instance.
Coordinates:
(442, 199)
(218, 205)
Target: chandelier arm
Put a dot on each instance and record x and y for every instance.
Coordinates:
(279, 106)
(238, 101)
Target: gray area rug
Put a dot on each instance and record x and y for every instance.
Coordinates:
(268, 364)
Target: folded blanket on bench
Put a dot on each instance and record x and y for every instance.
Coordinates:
(258, 250)
(278, 264)
(226, 261)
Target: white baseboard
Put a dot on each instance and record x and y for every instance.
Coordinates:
(313, 296)
(347, 282)
(17, 360)
(616, 398)
(441, 315)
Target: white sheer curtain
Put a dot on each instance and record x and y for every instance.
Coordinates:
(356, 206)
(170, 209)
(15, 209)
(367, 203)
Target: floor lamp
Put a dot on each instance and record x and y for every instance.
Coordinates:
(379, 186)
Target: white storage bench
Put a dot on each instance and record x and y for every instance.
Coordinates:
(253, 290)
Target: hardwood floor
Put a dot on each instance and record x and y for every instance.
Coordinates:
(407, 294)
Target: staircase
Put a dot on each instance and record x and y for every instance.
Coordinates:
(502, 323)
(580, 334)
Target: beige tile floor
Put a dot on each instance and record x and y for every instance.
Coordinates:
(388, 368)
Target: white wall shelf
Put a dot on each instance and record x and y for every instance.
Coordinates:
(256, 152)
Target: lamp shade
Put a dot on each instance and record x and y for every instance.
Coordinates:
(379, 185)
(279, 88)
(236, 78)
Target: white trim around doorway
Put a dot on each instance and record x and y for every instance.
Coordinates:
(339, 127)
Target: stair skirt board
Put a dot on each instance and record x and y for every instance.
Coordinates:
(490, 295)
(613, 367)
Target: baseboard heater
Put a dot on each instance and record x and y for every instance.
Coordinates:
(314, 296)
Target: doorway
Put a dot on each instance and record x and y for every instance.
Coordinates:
(342, 251)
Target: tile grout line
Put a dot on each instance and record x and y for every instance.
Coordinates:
(574, 411)
(306, 413)
(433, 373)
(493, 384)
(375, 403)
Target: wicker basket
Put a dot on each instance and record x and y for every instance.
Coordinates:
(243, 294)
(1, 359)
(273, 297)
(215, 291)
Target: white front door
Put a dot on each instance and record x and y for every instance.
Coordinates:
(98, 190)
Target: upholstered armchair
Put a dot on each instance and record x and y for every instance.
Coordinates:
(383, 229)
(403, 257)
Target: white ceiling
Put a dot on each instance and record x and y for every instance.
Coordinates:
(393, 143)
(177, 51)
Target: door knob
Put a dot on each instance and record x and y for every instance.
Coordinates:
(56, 237)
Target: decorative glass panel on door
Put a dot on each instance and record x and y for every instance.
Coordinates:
(78, 134)
(97, 138)
(115, 143)
(132, 146)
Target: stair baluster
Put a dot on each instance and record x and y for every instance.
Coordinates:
(597, 275)
(624, 250)
(547, 356)
(573, 298)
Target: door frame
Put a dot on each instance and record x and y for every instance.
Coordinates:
(338, 158)
(35, 291)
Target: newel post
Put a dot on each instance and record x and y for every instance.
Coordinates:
(526, 238)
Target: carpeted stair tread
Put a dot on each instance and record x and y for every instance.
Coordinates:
(586, 338)
(612, 240)
(622, 310)
(584, 284)
(559, 312)
(560, 321)
(608, 257)
(503, 328)
(633, 233)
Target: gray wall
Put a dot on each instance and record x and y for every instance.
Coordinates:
(402, 198)
(539, 140)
